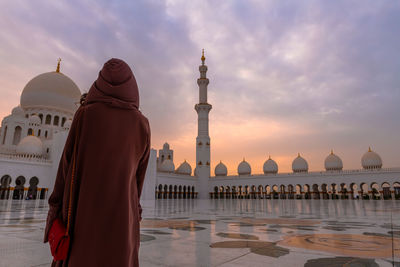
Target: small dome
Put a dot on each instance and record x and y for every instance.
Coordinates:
(167, 166)
(67, 124)
(30, 145)
(51, 90)
(371, 160)
(299, 164)
(220, 169)
(244, 168)
(270, 166)
(34, 119)
(184, 168)
(18, 111)
(166, 146)
(333, 162)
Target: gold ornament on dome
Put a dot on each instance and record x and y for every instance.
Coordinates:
(58, 65)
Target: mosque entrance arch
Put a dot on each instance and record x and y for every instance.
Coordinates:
(275, 194)
(159, 195)
(19, 188)
(253, 192)
(227, 192)
(343, 191)
(364, 191)
(290, 191)
(396, 189)
(32, 190)
(240, 195)
(316, 191)
(298, 192)
(375, 191)
(324, 189)
(282, 193)
(354, 191)
(334, 191)
(268, 192)
(307, 193)
(387, 193)
(5, 186)
(170, 192)
(260, 192)
(234, 193)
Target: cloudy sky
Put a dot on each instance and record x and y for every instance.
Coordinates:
(285, 76)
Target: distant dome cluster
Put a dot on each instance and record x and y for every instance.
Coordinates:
(370, 160)
(299, 164)
(333, 162)
(184, 168)
(270, 166)
(221, 170)
(244, 168)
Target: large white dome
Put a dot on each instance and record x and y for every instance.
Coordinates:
(184, 168)
(51, 90)
(270, 166)
(333, 162)
(220, 169)
(167, 166)
(371, 160)
(244, 168)
(299, 164)
(30, 145)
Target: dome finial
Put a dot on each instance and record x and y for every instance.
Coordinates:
(298, 155)
(331, 151)
(369, 149)
(58, 65)
(244, 159)
(203, 58)
(269, 157)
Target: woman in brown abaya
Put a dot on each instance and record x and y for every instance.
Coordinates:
(113, 145)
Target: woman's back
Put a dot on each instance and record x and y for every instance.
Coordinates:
(112, 155)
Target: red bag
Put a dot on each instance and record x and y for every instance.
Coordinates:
(59, 235)
(58, 240)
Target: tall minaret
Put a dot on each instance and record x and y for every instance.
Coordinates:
(203, 139)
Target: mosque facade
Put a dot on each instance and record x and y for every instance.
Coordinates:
(32, 139)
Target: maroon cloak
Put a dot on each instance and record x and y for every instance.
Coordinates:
(113, 145)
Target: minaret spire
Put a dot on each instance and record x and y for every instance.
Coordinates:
(203, 138)
(203, 58)
(58, 65)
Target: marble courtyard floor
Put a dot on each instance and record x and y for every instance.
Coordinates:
(226, 232)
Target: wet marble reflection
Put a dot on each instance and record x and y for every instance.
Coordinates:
(262, 248)
(238, 236)
(340, 262)
(346, 244)
(232, 232)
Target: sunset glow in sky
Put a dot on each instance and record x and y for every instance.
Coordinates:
(285, 76)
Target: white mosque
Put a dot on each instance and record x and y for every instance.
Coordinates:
(32, 138)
